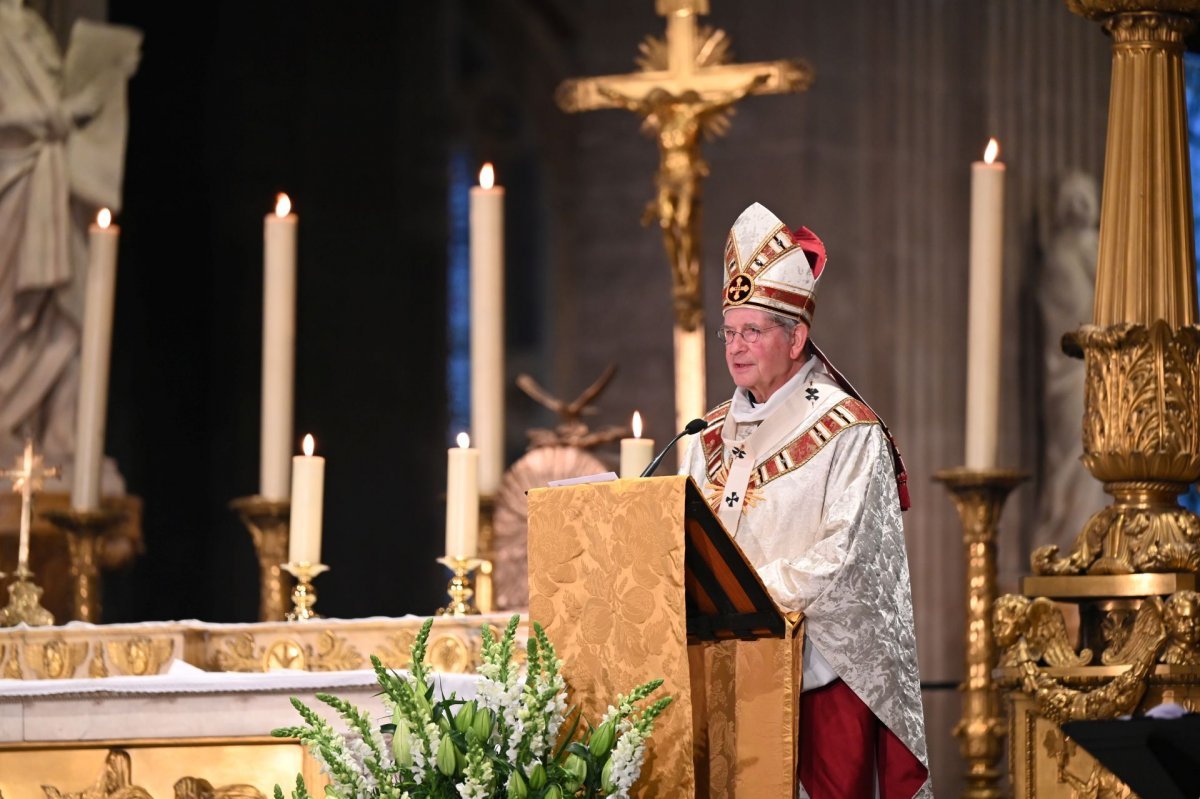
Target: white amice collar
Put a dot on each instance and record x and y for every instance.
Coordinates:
(743, 410)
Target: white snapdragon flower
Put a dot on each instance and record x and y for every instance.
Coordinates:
(627, 757)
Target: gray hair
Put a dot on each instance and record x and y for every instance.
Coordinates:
(789, 324)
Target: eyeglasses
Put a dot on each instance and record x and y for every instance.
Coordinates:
(749, 334)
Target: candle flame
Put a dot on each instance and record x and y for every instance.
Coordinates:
(104, 218)
(637, 425)
(487, 176)
(993, 150)
(283, 205)
(464, 440)
(310, 444)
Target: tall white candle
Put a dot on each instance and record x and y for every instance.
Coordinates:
(462, 498)
(278, 348)
(96, 347)
(986, 303)
(487, 328)
(308, 500)
(636, 452)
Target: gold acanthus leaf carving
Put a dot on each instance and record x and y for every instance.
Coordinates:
(1060, 704)
(334, 653)
(239, 654)
(1142, 412)
(57, 659)
(1033, 631)
(140, 656)
(397, 652)
(1141, 437)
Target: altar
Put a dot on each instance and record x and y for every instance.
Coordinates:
(187, 708)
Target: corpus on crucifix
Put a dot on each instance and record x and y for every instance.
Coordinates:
(686, 88)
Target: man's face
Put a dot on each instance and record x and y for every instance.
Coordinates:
(765, 365)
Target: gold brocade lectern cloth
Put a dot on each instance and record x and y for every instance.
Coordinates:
(607, 580)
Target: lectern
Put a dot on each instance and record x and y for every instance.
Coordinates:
(637, 579)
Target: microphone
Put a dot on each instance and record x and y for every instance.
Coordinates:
(693, 427)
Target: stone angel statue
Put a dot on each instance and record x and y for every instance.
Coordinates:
(62, 142)
(1068, 494)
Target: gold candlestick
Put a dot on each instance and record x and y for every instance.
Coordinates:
(460, 589)
(83, 529)
(268, 520)
(979, 497)
(304, 596)
(484, 590)
(24, 603)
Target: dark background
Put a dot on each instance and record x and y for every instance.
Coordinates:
(344, 107)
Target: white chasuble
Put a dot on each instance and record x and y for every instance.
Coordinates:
(818, 516)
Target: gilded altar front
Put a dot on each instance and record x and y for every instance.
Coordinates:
(185, 709)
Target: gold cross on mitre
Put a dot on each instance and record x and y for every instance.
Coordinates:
(28, 474)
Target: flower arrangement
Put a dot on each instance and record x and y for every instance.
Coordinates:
(512, 741)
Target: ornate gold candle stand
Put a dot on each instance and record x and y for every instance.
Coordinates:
(83, 530)
(460, 588)
(979, 496)
(1131, 572)
(268, 521)
(304, 596)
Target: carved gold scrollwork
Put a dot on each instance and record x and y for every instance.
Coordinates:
(139, 656)
(1100, 783)
(1142, 438)
(397, 652)
(55, 659)
(335, 654)
(239, 654)
(1061, 704)
(332, 653)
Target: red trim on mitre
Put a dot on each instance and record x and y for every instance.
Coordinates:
(813, 248)
(801, 302)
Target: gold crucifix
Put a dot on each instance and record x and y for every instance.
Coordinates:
(28, 475)
(686, 88)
